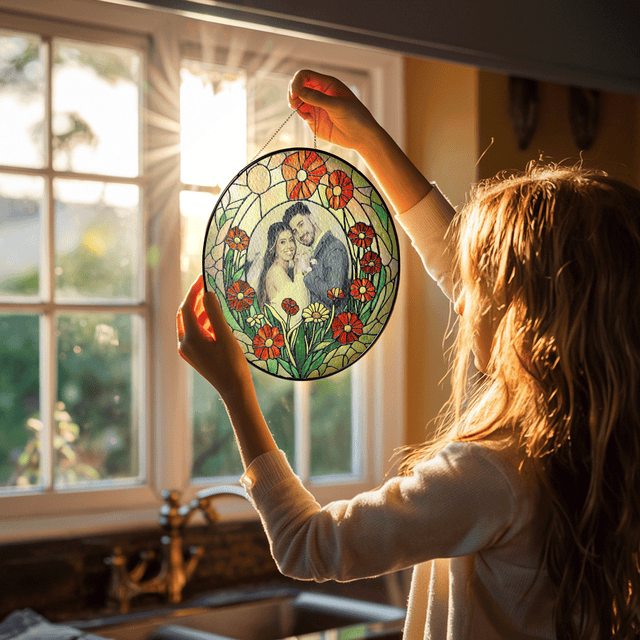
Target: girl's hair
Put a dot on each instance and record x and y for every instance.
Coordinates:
(269, 256)
(554, 254)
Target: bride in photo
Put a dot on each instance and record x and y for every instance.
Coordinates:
(282, 276)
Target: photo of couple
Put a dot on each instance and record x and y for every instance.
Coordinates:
(302, 253)
(303, 263)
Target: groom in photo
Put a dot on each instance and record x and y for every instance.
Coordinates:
(328, 266)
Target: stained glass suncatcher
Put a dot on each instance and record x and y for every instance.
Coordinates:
(303, 256)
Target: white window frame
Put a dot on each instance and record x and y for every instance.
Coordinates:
(382, 370)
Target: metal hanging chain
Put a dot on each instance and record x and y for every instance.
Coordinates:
(315, 129)
(277, 131)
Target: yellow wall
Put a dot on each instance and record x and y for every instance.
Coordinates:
(441, 139)
(616, 147)
(452, 112)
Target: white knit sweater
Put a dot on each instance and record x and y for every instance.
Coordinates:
(468, 520)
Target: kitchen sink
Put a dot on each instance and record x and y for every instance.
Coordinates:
(255, 614)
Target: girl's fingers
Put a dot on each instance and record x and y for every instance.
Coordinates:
(186, 316)
(192, 314)
(189, 300)
(298, 80)
(214, 313)
(315, 80)
(180, 325)
(315, 89)
(316, 98)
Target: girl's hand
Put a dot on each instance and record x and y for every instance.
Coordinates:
(206, 342)
(331, 109)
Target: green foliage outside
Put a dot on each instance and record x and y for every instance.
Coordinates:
(19, 390)
(331, 438)
(94, 435)
(215, 451)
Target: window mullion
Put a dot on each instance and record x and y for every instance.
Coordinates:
(48, 350)
(47, 398)
(359, 421)
(302, 437)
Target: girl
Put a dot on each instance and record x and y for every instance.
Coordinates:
(530, 489)
(281, 275)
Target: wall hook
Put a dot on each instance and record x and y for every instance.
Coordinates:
(523, 108)
(584, 114)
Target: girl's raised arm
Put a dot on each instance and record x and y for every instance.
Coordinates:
(206, 342)
(336, 115)
(333, 111)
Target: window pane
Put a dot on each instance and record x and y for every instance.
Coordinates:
(268, 111)
(22, 99)
(95, 108)
(98, 239)
(20, 426)
(213, 120)
(96, 435)
(195, 209)
(214, 447)
(330, 425)
(21, 204)
(276, 401)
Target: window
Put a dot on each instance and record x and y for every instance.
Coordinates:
(73, 314)
(241, 113)
(105, 193)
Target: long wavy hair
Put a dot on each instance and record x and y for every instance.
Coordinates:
(554, 255)
(273, 234)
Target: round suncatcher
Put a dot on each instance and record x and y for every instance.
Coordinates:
(303, 256)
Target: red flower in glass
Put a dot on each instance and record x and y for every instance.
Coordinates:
(340, 189)
(267, 342)
(302, 171)
(370, 263)
(347, 327)
(240, 295)
(362, 289)
(290, 306)
(361, 234)
(237, 239)
(335, 293)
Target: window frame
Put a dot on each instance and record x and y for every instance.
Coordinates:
(122, 506)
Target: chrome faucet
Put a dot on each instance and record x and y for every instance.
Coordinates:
(174, 572)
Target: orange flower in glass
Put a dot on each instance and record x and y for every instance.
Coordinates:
(302, 171)
(370, 263)
(340, 189)
(268, 342)
(335, 293)
(290, 306)
(362, 289)
(347, 327)
(361, 235)
(237, 239)
(240, 295)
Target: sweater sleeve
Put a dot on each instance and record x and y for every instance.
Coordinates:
(457, 503)
(426, 224)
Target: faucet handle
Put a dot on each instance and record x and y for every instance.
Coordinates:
(171, 497)
(171, 513)
(207, 508)
(205, 497)
(221, 490)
